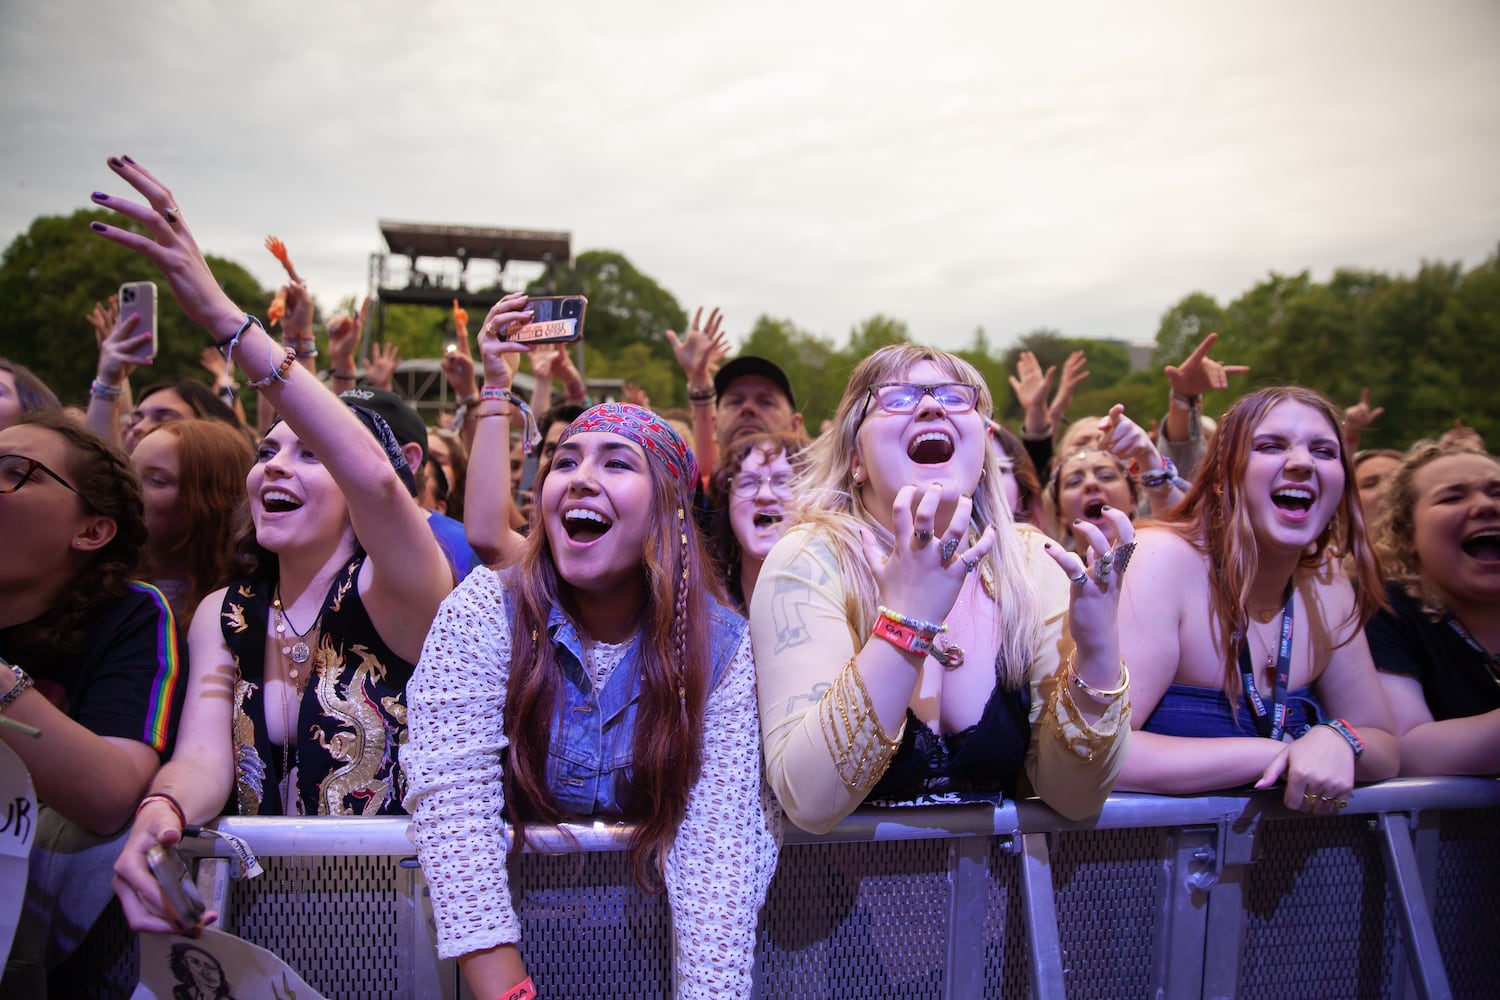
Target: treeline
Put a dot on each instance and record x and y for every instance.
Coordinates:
(1427, 345)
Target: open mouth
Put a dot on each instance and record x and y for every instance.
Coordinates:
(931, 448)
(767, 519)
(1484, 546)
(279, 502)
(585, 525)
(1292, 499)
(1094, 510)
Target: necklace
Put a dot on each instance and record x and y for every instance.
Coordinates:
(298, 651)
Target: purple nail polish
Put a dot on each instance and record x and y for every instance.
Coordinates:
(128, 160)
(97, 227)
(100, 196)
(114, 161)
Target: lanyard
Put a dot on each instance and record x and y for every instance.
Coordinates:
(1492, 660)
(1272, 723)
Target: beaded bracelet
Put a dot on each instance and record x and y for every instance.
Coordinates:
(930, 629)
(104, 391)
(1348, 733)
(169, 800)
(1100, 694)
(23, 681)
(278, 373)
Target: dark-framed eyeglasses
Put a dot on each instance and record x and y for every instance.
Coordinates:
(905, 397)
(747, 486)
(17, 470)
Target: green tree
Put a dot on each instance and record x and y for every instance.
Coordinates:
(51, 276)
(812, 364)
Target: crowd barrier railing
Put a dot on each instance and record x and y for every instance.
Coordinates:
(1172, 897)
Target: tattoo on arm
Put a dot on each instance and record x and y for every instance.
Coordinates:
(788, 599)
(815, 695)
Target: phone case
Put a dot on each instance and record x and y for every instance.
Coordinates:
(555, 319)
(178, 890)
(139, 298)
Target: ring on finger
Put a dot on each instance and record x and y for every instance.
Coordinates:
(1080, 578)
(1103, 566)
(970, 565)
(1121, 555)
(921, 536)
(950, 546)
(1309, 798)
(171, 214)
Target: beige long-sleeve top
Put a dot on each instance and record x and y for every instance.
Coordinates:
(1072, 765)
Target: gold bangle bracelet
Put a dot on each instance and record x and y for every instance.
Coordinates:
(1099, 694)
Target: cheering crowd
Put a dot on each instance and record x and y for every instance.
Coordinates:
(695, 622)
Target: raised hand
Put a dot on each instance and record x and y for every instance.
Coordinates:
(1199, 373)
(914, 578)
(278, 250)
(499, 356)
(124, 349)
(1128, 440)
(343, 341)
(701, 348)
(103, 318)
(217, 366)
(170, 246)
(1075, 370)
(632, 393)
(1095, 576)
(1031, 385)
(1359, 417)
(296, 324)
(380, 366)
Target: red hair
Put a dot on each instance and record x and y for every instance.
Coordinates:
(1215, 519)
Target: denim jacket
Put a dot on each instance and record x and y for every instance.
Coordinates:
(593, 732)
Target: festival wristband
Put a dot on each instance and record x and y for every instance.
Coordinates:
(903, 638)
(23, 681)
(928, 629)
(1348, 734)
(499, 392)
(524, 990)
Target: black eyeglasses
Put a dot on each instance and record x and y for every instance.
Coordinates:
(16, 470)
(905, 397)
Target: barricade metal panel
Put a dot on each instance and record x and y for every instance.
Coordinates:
(1108, 886)
(858, 921)
(1319, 920)
(1466, 900)
(1150, 898)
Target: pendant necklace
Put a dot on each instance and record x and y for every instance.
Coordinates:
(951, 653)
(299, 651)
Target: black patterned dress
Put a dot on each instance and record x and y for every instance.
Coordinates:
(351, 721)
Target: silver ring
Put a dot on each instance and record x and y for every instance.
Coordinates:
(921, 537)
(949, 547)
(1122, 554)
(1080, 578)
(969, 566)
(1103, 566)
(171, 215)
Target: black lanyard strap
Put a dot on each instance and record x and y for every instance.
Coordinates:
(1270, 722)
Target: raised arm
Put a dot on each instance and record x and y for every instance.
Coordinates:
(697, 352)
(487, 494)
(122, 346)
(1197, 374)
(392, 529)
(1130, 442)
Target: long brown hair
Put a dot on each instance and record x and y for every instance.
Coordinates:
(212, 459)
(675, 665)
(107, 484)
(1215, 519)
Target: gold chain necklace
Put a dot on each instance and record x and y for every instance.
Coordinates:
(298, 651)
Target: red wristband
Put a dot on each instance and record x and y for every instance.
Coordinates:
(524, 990)
(898, 635)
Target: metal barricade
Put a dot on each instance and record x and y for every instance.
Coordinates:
(1203, 896)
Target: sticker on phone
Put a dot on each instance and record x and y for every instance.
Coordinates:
(555, 319)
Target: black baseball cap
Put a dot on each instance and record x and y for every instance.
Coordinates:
(403, 420)
(749, 364)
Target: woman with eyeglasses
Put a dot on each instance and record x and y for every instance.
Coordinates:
(751, 494)
(89, 660)
(910, 637)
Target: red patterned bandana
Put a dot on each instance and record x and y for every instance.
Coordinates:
(635, 423)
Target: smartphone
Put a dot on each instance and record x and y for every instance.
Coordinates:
(178, 890)
(555, 319)
(139, 298)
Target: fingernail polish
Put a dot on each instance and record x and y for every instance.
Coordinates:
(1106, 507)
(1077, 520)
(128, 160)
(97, 227)
(114, 161)
(100, 196)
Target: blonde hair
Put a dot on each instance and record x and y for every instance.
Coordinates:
(826, 501)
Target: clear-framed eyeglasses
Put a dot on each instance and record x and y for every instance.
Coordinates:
(905, 397)
(747, 486)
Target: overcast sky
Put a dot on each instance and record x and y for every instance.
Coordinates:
(956, 165)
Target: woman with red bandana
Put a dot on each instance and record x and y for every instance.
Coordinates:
(599, 676)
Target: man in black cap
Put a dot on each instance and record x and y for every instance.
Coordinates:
(753, 396)
(411, 434)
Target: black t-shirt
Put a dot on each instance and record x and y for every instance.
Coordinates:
(1455, 679)
(123, 680)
